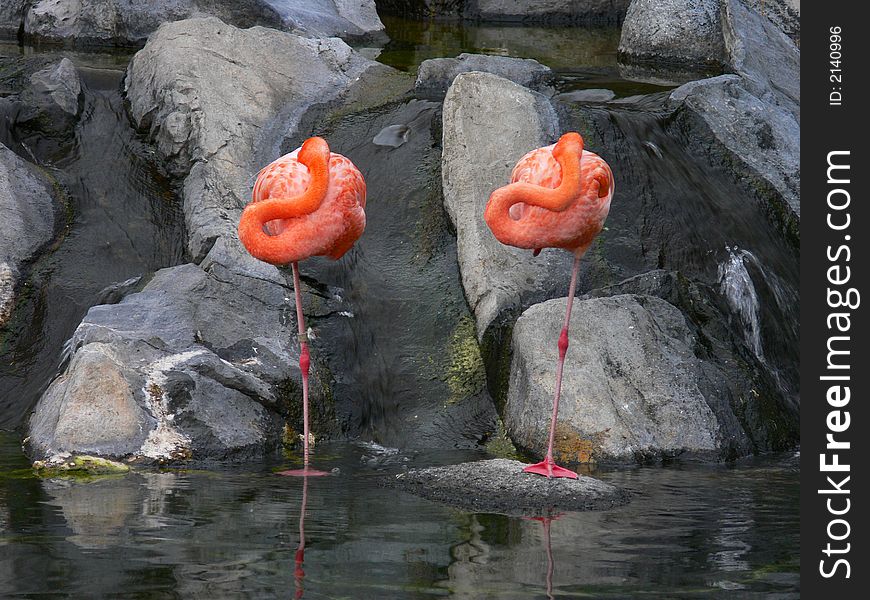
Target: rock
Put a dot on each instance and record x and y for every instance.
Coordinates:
(129, 22)
(631, 383)
(66, 465)
(488, 124)
(759, 141)
(500, 486)
(422, 8)
(187, 368)
(59, 85)
(28, 225)
(436, 74)
(590, 95)
(683, 34)
(547, 11)
(785, 14)
(184, 88)
(342, 18)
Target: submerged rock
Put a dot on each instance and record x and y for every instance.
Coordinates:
(588, 95)
(489, 123)
(500, 486)
(436, 74)
(68, 465)
(28, 224)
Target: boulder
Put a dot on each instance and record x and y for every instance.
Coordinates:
(547, 11)
(436, 74)
(500, 486)
(342, 18)
(488, 124)
(734, 126)
(785, 14)
(58, 87)
(187, 368)
(684, 34)
(129, 22)
(28, 225)
(631, 384)
(422, 8)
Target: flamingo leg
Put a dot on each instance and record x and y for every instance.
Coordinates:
(304, 367)
(548, 467)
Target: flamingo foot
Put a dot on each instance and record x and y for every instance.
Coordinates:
(549, 469)
(306, 472)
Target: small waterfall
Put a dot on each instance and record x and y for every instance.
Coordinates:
(736, 285)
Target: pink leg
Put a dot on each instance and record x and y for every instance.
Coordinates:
(304, 366)
(547, 467)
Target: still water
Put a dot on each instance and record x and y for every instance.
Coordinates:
(690, 531)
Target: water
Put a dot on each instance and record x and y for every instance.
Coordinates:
(407, 377)
(690, 531)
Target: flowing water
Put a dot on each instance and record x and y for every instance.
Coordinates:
(407, 378)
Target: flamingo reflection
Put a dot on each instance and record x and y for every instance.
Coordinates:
(545, 521)
(299, 572)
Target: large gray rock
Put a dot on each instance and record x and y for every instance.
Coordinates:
(436, 74)
(677, 33)
(28, 224)
(550, 11)
(785, 14)
(210, 94)
(500, 486)
(342, 18)
(735, 126)
(207, 351)
(488, 124)
(750, 122)
(187, 368)
(632, 386)
(125, 22)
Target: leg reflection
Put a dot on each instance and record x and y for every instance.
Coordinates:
(299, 573)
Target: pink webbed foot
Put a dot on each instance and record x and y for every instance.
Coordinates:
(303, 473)
(549, 469)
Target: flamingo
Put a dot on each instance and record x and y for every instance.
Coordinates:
(307, 203)
(559, 197)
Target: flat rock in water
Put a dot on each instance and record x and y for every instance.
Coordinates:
(500, 486)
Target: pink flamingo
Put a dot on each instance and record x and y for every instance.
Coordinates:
(307, 203)
(559, 197)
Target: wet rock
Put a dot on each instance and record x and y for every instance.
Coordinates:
(68, 465)
(631, 386)
(676, 33)
(547, 11)
(488, 124)
(28, 224)
(342, 18)
(58, 85)
(500, 486)
(128, 22)
(436, 74)
(734, 126)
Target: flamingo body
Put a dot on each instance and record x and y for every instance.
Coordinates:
(559, 197)
(307, 203)
(537, 210)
